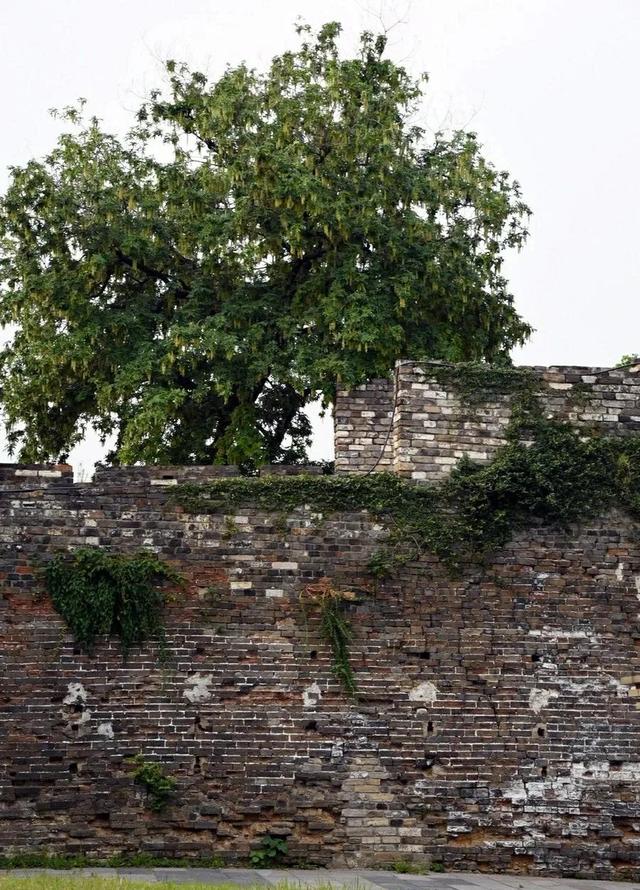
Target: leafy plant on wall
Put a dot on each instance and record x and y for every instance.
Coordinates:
(107, 594)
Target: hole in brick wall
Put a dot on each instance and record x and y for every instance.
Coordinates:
(381, 806)
(541, 732)
(200, 650)
(536, 657)
(311, 724)
(313, 655)
(543, 772)
(430, 726)
(56, 758)
(616, 764)
(73, 769)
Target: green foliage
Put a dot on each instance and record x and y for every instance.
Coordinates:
(272, 851)
(335, 628)
(476, 382)
(62, 861)
(300, 232)
(157, 784)
(631, 359)
(404, 867)
(100, 594)
(547, 472)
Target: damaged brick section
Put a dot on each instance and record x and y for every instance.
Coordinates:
(496, 725)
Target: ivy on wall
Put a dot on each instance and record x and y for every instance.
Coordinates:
(106, 594)
(547, 472)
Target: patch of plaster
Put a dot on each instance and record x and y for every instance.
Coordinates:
(76, 695)
(425, 692)
(311, 695)
(105, 729)
(74, 711)
(620, 572)
(198, 687)
(540, 698)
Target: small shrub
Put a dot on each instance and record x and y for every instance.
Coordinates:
(157, 784)
(403, 867)
(272, 851)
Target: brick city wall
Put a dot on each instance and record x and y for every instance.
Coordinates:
(495, 728)
(415, 426)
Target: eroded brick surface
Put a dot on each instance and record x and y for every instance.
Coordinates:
(496, 726)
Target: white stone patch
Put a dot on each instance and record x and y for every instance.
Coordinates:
(637, 582)
(105, 729)
(198, 688)
(311, 695)
(76, 695)
(553, 635)
(620, 572)
(579, 687)
(425, 692)
(540, 698)
(274, 592)
(572, 786)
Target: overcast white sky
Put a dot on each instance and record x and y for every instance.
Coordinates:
(550, 86)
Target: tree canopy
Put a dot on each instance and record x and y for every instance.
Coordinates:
(251, 244)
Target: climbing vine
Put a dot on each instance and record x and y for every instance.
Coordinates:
(106, 594)
(546, 472)
(475, 382)
(335, 628)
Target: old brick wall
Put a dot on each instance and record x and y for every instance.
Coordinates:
(495, 727)
(422, 427)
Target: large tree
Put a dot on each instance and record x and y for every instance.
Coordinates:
(251, 244)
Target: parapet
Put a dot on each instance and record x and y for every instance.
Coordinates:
(420, 421)
(36, 477)
(24, 477)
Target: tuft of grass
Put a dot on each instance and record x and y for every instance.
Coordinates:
(117, 882)
(94, 882)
